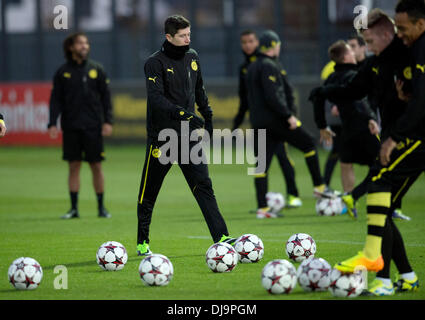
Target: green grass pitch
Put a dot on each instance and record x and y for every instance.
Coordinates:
(33, 195)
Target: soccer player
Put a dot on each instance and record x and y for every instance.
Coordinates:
(359, 141)
(358, 45)
(81, 96)
(2, 126)
(174, 83)
(269, 110)
(402, 153)
(249, 46)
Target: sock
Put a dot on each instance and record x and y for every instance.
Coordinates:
(408, 276)
(74, 200)
(99, 200)
(386, 281)
(378, 204)
(261, 184)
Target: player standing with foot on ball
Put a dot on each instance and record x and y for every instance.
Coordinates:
(81, 96)
(402, 157)
(174, 83)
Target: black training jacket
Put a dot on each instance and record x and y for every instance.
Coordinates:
(81, 96)
(173, 80)
(377, 78)
(243, 92)
(354, 114)
(412, 122)
(266, 94)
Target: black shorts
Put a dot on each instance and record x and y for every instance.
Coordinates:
(83, 145)
(362, 149)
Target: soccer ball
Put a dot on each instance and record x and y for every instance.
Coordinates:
(279, 276)
(156, 270)
(25, 274)
(221, 257)
(300, 246)
(275, 201)
(330, 207)
(111, 256)
(250, 248)
(313, 274)
(346, 285)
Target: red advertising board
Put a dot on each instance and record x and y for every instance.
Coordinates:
(25, 107)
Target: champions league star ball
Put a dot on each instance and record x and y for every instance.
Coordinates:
(346, 285)
(111, 256)
(156, 270)
(275, 201)
(300, 246)
(313, 274)
(221, 257)
(250, 248)
(25, 274)
(279, 276)
(330, 207)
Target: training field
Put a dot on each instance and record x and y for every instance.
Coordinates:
(33, 195)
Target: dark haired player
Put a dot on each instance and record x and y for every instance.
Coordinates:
(81, 96)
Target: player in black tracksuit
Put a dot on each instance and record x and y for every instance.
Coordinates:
(82, 99)
(269, 111)
(285, 163)
(358, 143)
(174, 84)
(402, 155)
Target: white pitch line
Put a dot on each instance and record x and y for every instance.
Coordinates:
(418, 245)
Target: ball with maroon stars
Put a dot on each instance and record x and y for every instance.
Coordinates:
(279, 277)
(313, 274)
(330, 207)
(25, 273)
(221, 257)
(156, 270)
(250, 248)
(111, 256)
(300, 246)
(346, 285)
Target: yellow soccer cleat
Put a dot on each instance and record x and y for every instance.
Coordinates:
(350, 204)
(352, 264)
(404, 285)
(379, 289)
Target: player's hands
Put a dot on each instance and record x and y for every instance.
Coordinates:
(335, 111)
(374, 127)
(326, 136)
(195, 122)
(401, 95)
(3, 129)
(386, 149)
(293, 123)
(53, 132)
(107, 130)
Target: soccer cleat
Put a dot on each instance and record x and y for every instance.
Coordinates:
(378, 288)
(397, 214)
(103, 213)
(350, 205)
(351, 264)
(326, 193)
(71, 214)
(143, 249)
(404, 285)
(293, 202)
(265, 213)
(228, 240)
